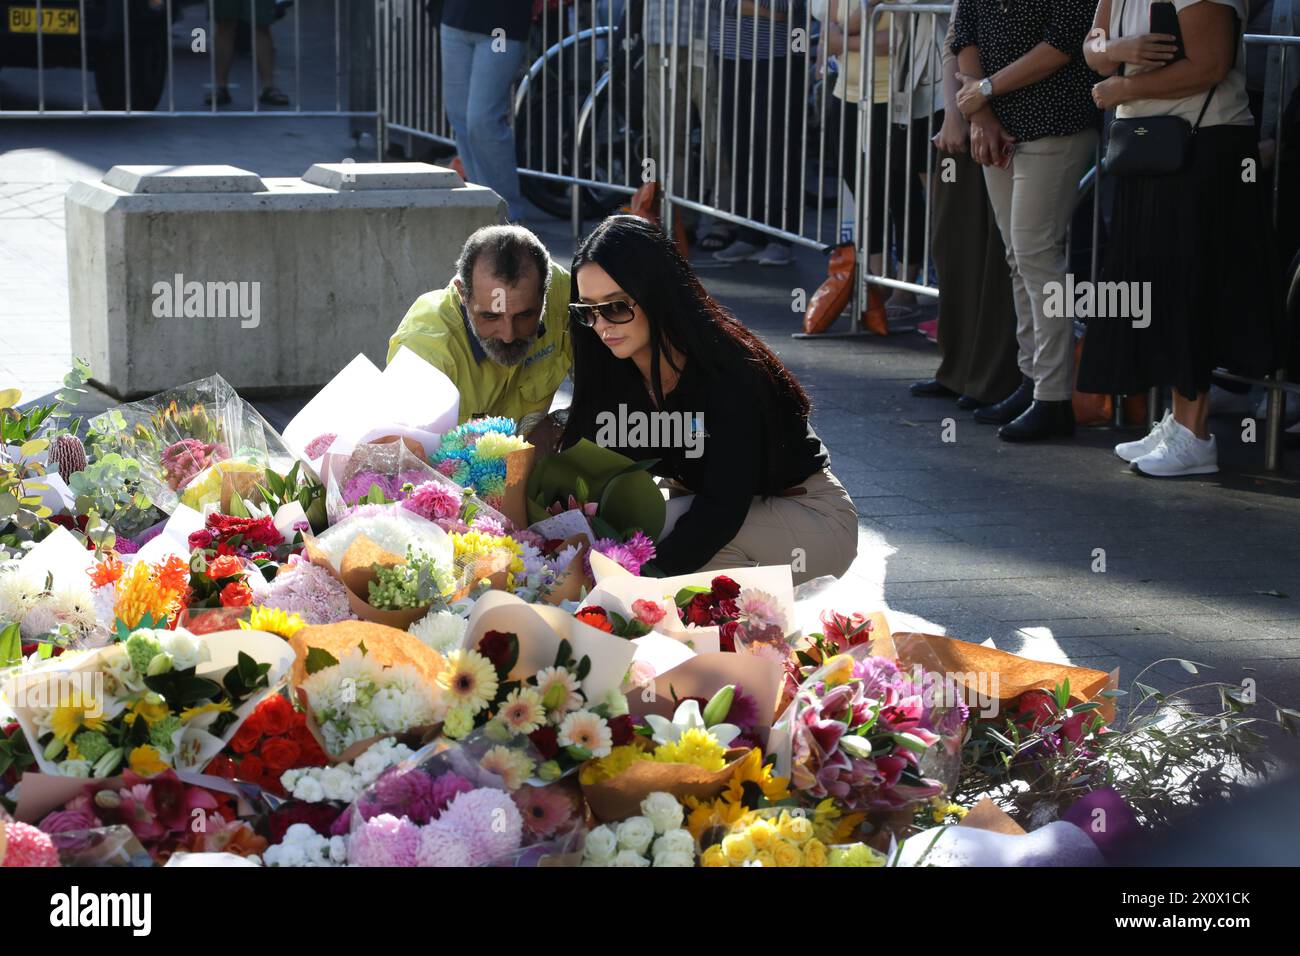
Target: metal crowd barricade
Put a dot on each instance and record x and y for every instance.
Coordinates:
(146, 25)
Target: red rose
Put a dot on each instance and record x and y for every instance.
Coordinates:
(596, 617)
(622, 729)
(546, 740)
(496, 647)
(724, 588)
(201, 539)
(226, 566)
(236, 594)
(280, 754)
(246, 738)
(222, 766)
(1038, 706)
(309, 749)
(251, 768)
(700, 611)
(319, 816)
(727, 636)
(275, 715)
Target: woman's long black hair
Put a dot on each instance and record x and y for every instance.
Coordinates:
(647, 266)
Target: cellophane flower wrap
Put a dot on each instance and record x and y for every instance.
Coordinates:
(462, 803)
(187, 438)
(870, 735)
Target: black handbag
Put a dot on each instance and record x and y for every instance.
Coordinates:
(1150, 145)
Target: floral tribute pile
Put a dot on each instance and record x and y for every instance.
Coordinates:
(210, 649)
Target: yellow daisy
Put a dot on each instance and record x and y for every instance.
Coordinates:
(469, 679)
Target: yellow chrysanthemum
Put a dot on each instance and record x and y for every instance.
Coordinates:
(273, 621)
(146, 761)
(606, 768)
(833, 826)
(752, 780)
(695, 746)
(67, 720)
(497, 445)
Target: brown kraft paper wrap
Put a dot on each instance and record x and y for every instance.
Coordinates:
(620, 797)
(514, 501)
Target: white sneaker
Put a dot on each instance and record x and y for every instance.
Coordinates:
(774, 254)
(738, 251)
(1130, 450)
(1179, 453)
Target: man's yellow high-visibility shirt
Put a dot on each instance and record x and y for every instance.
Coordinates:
(436, 328)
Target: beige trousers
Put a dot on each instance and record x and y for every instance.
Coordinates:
(815, 533)
(704, 82)
(1033, 199)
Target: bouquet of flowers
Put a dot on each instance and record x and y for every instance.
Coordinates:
(274, 739)
(157, 700)
(655, 834)
(485, 454)
(190, 440)
(783, 837)
(860, 731)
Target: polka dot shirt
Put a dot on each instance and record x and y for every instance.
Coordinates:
(1004, 31)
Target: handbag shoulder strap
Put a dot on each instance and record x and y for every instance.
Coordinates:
(1208, 96)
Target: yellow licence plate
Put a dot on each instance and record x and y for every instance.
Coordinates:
(57, 20)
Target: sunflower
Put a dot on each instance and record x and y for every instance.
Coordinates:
(705, 815)
(273, 621)
(831, 825)
(470, 679)
(752, 781)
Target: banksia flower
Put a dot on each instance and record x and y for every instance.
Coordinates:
(69, 454)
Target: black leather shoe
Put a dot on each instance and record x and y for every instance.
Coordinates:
(930, 388)
(1010, 408)
(967, 402)
(1042, 420)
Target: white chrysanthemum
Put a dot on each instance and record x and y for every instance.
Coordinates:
(17, 592)
(441, 630)
(75, 606)
(361, 698)
(40, 619)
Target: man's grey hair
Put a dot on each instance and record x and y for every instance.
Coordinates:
(508, 250)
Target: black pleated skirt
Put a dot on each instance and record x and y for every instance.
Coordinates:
(1202, 238)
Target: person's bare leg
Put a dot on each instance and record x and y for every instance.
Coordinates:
(225, 50)
(1193, 414)
(265, 58)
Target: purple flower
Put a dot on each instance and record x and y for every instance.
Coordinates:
(744, 709)
(401, 792)
(445, 788)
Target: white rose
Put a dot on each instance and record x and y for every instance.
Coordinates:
(663, 810)
(635, 834)
(601, 846)
(675, 859)
(629, 858)
(675, 842)
(338, 850)
(186, 650)
(309, 790)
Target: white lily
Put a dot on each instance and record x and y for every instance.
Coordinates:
(686, 717)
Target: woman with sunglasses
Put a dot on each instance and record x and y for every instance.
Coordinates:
(647, 340)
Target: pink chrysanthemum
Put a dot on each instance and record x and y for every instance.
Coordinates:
(488, 821)
(640, 547)
(440, 845)
(25, 845)
(406, 792)
(319, 445)
(759, 607)
(445, 789)
(384, 840)
(488, 525)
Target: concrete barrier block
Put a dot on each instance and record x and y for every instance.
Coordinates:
(178, 272)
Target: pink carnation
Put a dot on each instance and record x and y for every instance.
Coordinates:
(27, 846)
(433, 500)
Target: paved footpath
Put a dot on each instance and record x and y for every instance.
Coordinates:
(972, 537)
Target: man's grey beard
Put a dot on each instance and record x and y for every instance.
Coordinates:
(502, 353)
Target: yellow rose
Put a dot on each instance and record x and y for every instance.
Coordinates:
(814, 853)
(738, 848)
(762, 834)
(787, 854)
(796, 829)
(765, 858)
(714, 856)
(838, 670)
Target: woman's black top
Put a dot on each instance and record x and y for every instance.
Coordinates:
(515, 17)
(1004, 31)
(756, 443)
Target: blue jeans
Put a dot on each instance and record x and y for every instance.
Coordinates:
(476, 94)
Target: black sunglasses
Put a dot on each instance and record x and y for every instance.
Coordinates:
(618, 311)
